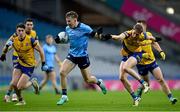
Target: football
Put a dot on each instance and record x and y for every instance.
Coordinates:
(62, 38)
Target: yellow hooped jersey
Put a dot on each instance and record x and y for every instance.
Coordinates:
(147, 49)
(32, 34)
(25, 50)
(131, 44)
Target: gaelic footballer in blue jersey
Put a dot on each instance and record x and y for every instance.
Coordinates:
(50, 57)
(78, 34)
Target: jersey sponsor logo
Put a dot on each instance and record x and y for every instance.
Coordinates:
(84, 65)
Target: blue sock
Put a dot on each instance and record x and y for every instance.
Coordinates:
(9, 92)
(141, 81)
(170, 96)
(133, 95)
(64, 91)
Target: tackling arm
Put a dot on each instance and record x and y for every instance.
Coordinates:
(40, 50)
(6, 48)
(121, 37)
(158, 48)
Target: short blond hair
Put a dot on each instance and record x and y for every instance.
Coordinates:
(72, 14)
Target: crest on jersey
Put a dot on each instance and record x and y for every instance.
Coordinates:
(27, 44)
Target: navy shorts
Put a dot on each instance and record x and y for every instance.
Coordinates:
(144, 69)
(50, 69)
(26, 70)
(15, 59)
(137, 55)
(82, 62)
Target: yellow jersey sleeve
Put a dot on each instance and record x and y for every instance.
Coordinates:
(34, 42)
(127, 33)
(11, 38)
(33, 34)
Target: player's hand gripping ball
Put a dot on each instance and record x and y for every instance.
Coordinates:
(62, 38)
(44, 67)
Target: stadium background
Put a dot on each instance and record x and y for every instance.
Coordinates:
(115, 16)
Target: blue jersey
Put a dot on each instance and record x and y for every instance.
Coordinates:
(78, 39)
(49, 52)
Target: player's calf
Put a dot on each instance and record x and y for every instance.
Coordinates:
(139, 91)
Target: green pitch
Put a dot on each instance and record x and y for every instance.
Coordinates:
(93, 101)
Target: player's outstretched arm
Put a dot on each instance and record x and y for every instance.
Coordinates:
(40, 50)
(121, 37)
(6, 48)
(97, 33)
(37, 46)
(158, 48)
(154, 39)
(115, 37)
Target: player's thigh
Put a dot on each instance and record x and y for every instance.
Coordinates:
(131, 62)
(16, 76)
(46, 76)
(121, 71)
(157, 73)
(85, 73)
(67, 66)
(22, 81)
(52, 75)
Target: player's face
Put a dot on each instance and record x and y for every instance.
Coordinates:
(20, 32)
(29, 26)
(49, 40)
(71, 22)
(135, 33)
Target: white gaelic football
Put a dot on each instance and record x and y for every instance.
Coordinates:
(63, 37)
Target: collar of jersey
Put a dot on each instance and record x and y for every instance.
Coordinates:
(77, 26)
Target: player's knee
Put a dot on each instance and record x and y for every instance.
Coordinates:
(63, 73)
(122, 78)
(13, 84)
(125, 68)
(160, 80)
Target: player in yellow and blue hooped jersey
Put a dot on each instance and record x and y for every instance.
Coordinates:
(149, 64)
(24, 45)
(29, 31)
(79, 34)
(132, 54)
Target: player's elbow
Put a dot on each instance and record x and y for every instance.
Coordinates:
(161, 80)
